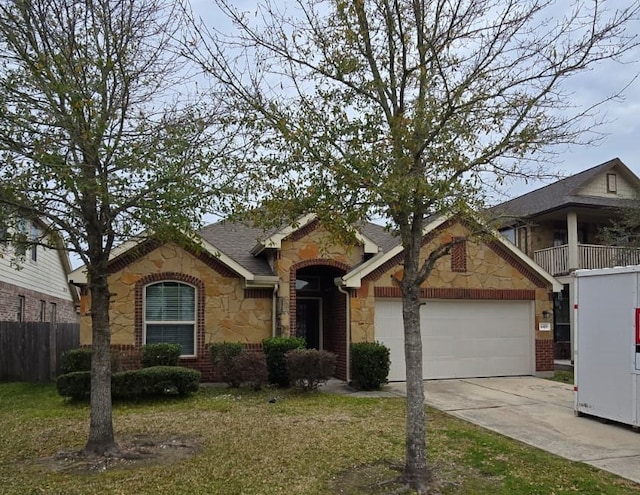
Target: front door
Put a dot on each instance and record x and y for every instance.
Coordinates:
(309, 321)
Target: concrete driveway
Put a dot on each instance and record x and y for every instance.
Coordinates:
(540, 413)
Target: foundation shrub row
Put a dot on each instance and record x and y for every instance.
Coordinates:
(283, 362)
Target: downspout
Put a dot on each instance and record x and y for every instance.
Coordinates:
(274, 307)
(347, 294)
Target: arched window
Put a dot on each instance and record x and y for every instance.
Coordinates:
(170, 315)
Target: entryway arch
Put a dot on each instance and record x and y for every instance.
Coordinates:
(318, 309)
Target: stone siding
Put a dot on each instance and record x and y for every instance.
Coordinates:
(492, 273)
(229, 315)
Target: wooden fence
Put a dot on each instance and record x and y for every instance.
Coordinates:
(31, 351)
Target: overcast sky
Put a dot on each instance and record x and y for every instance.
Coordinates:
(621, 135)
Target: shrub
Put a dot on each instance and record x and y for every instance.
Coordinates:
(274, 349)
(222, 355)
(76, 384)
(76, 360)
(146, 382)
(308, 368)
(154, 382)
(160, 355)
(251, 368)
(369, 365)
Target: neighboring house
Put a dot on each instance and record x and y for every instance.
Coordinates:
(559, 227)
(35, 288)
(483, 315)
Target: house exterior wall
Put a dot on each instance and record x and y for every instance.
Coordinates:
(311, 245)
(489, 275)
(598, 187)
(65, 311)
(231, 313)
(43, 280)
(46, 275)
(541, 235)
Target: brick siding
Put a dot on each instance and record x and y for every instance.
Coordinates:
(65, 310)
(544, 355)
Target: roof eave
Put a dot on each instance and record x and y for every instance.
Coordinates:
(557, 286)
(353, 279)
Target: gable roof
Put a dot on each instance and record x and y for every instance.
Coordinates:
(79, 275)
(275, 238)
(354, 278)
(564, 192)
(231, 244)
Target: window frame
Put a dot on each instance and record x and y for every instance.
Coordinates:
(53, 313)
(43, 310)
(35, 234)
(612, 183)
(193, 322)
(22, 304)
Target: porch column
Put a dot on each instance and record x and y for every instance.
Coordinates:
(572, 240)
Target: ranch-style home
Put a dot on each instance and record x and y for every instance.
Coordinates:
(487, 308)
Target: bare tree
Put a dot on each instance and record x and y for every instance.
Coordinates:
(98, 141)
(402, 109)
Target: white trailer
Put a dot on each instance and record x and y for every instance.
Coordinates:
(607, 343)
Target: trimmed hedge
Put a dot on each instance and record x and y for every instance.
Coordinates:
(76, 385)
(146, 382)
(76, 360)
(222, 354)
(162, 354)
(274, 349)
(308, 368)
(80, 360)
(370, 364)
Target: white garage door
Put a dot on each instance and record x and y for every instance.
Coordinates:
(462, 339)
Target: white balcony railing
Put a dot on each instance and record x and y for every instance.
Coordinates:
(555, 260)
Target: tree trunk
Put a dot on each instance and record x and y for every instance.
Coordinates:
(416, 471)
(101, 438)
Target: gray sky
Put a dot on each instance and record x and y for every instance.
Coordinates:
(620, 137)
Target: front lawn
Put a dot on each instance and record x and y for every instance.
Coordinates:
(271, 442)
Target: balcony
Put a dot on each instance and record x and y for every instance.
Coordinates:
(555, 260)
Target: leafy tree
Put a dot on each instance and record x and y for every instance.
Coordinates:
(403, 109)
(623, 228)
(98, 141)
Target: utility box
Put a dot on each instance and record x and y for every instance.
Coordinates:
(607, 343)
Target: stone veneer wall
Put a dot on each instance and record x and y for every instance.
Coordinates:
(492, 273)
(231, 313)
(310, 245)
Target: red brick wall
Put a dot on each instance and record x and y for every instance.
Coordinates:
(65, 310)
(128, 357)
(335, 338)
(544, 355)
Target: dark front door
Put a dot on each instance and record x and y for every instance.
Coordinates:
(309, 321)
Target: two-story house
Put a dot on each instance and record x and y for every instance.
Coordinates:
(560, 227)
(33, 284)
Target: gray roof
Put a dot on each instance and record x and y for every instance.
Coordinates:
(381, 236)
(563, 193)
(236, 240)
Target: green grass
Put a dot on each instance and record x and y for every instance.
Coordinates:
(563, 376)
(315, 444)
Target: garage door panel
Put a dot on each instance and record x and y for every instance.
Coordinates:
(396, 355)
(462, 338)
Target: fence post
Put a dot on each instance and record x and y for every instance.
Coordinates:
(53, 349)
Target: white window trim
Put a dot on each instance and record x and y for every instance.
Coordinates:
(172, 322)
